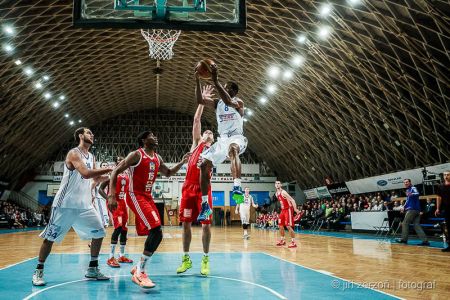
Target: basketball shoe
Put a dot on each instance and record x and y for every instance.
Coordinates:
(38, 277)
(124, 260)
(238, 194)
(186, 264)
(95, 274)
(204, 213)
(141, 279)
(281, 243)
(204, 268)
(112, 262)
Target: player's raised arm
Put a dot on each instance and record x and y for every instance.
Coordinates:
(226, 98)
(166, 171)
(197, 127)
(204, 95)
(74, 159)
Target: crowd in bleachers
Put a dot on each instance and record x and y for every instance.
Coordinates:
(334, 213)
(14, 216)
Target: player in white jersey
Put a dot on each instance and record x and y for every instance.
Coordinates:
(72, 207)
(99, 201)
(243, 209)
(231, 141)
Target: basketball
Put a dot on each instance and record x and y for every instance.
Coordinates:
(203, 68)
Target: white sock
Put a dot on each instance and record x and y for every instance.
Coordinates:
(237, 182)
(186, 253)
(282, 238)
(205, 254)
(122, 250)
(142, 263)
(113, 249)
(245, 232)
(205, 199)
(293, 240)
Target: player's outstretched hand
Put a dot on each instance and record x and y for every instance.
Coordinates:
(112, 202)
(207, 93)
(214, 72)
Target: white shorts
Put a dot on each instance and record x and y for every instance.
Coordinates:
(245, 217)
(218, 152)
(102, 210)
(85, 222)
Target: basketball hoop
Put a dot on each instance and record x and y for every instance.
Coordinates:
(160, 42)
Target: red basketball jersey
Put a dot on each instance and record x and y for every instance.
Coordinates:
(122, 186)
(285, 204)
(143, 175)
(193, 171)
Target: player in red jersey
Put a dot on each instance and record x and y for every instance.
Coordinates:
(286, 218)
(119, 218)
(143, 165)
(191, 199)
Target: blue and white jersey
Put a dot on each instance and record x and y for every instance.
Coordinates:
(229, 121)
(75, 191)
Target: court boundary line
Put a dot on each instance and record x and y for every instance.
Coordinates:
(22, 261)
(160, 275)
(297, 264)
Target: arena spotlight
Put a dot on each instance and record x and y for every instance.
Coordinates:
(288, 74)
(354, 2)
(397, 143)
(46, 78)
(29, 71)
(8, 48)
(249, 112)
(273, 71)
(66, 115)
(38, 85)
(47, 95)
(62, 97)
(71, 123)
(301, 39)
(55, 104)
(18, 62)
(297, 60)
(357, 157)
(271, 88)
(325, 10)
(79, 121)
(263, 100)
(324, 32)
(245, 119)
(9, 30)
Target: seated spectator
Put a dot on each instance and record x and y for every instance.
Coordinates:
(397, 206)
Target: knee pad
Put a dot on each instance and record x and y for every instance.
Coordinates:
(115, 235)
(123, 237)
(153, 240)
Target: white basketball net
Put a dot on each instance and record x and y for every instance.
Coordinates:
(160, 42)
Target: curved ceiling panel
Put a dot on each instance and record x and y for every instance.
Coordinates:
(371, 98)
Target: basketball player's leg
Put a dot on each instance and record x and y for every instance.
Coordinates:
(281, 224)
(290, 226)
(60, 222)
(205, 186)
(206, 240)
(186, 217)
(123, 220)
(148, 222)
(89, 226)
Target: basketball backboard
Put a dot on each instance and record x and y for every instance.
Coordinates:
(195, 15)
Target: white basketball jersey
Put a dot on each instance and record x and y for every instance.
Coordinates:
(75, 191)
(245, 206)
(229, 121)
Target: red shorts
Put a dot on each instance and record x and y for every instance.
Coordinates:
(191, 202)
(286, 217)
(145, 211)
(120, 215)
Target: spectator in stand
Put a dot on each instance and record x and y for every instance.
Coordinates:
(412, 209)
(369, 207)
(397, 206)
(443, 201)
(386, 206)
